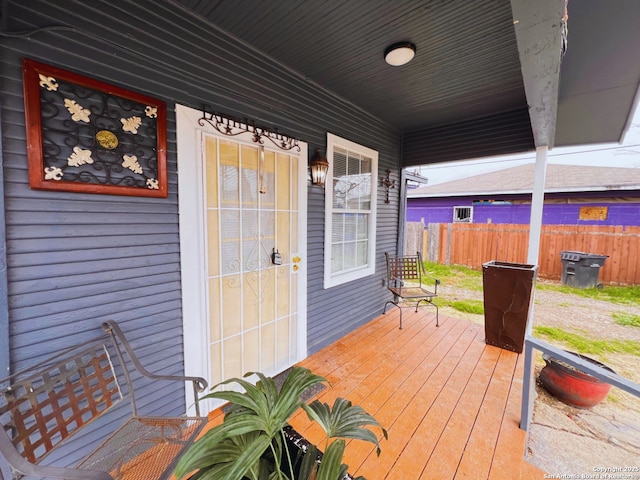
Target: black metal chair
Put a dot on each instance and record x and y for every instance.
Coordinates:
(408, 281)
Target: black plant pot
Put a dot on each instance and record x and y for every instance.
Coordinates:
(298, 446)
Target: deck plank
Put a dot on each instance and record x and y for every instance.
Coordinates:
(390, 400)
(450, 402)
(430, 438)
(445, 459)
(475, 462)
(510, 449)
(411, 402)
(380, 375)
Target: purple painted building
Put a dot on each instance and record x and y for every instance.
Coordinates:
(574, 195)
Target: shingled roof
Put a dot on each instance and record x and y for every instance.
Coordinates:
(560, 178)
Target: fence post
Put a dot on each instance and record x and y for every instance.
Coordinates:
(449, 235)
(433, 239)
(413, 239)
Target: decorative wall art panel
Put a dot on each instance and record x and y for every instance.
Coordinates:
(84, 135)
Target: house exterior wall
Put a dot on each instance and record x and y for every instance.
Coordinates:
(75, 260)
(558, 209)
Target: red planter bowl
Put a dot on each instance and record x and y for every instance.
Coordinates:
(573, 386)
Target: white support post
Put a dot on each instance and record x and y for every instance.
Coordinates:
(535, 231)
(537, 203)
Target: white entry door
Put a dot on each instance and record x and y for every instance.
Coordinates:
(243, 251)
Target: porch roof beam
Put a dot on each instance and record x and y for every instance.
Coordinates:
(541, 35)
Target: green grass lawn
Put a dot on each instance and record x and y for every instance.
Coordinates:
(456, 275)
(466, 306)
(460, 278)
(610, 293)
(465, 278)
(627, 319)
(585, 345)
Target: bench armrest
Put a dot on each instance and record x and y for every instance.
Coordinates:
(199, 383)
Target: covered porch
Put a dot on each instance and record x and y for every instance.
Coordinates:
(450, 403)
(485, 81)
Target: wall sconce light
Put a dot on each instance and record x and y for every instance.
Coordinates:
(319, 167)
(399, 53)
(388, 184)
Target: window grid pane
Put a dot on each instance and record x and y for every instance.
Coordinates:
(363, 226)
(349, 255)
(350, 212)
(339, 172)
(363, 248)
(349, 241)
(351, 181)
(352, 192)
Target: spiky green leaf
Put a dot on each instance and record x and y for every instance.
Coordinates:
(199, 454)
(309, 463)
(249, 458)
(344, 420)
(331, 466)
(296, 383)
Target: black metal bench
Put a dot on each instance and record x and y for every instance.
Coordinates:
(42, 407)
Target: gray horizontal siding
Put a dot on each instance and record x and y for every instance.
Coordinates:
(336, 311)
(76, 260)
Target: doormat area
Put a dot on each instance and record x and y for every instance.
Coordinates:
(279, 381)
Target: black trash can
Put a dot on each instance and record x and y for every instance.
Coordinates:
(580, 269)
(507, 297)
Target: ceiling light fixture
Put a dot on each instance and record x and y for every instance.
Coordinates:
(399, 53)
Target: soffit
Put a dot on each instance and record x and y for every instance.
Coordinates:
(467, 65)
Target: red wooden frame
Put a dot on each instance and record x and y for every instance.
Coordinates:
(35, 151)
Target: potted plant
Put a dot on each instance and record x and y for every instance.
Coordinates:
(254, 441)
(570, 384)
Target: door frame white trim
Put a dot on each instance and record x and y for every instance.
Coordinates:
(192, 248)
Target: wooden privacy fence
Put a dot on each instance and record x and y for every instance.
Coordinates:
(414, 238)
(474, 244)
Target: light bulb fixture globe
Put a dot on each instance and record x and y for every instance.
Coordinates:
(399, 53)
(319, 167)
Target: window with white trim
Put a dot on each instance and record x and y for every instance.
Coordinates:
(350, 211)
(462, 214)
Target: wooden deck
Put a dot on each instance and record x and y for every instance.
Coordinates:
(450, 402)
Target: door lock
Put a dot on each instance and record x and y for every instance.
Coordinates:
(276, 257)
